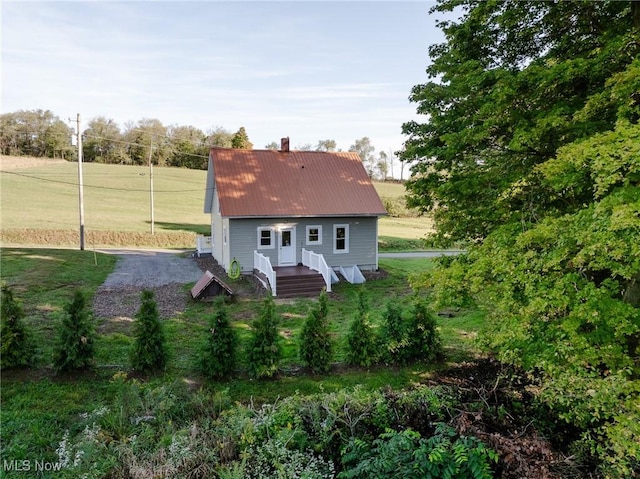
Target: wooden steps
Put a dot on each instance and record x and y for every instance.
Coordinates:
(297, 281)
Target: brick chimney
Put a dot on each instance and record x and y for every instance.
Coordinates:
(284, 144)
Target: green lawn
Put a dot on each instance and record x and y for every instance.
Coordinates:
(44, 280)
(39, 406)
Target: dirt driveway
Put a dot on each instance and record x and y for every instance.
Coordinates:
(165, 272)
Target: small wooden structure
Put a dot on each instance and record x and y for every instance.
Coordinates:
(210, 285)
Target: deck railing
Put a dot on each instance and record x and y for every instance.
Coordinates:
(317, 263)
(263, 264)
(204, 244)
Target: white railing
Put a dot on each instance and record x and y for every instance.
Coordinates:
(204, 244)
(263, 264)
(317, 263)
(352, 274)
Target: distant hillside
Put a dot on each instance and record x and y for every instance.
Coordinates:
(42, 194)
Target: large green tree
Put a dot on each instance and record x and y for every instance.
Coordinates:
(147, 136)
(531, 151)
(508, 88)
(219, 137)
(365, 149)
(188, 147)
(103, 142)
(34, 133)
(240, 140)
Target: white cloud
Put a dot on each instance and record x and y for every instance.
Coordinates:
(310, 70)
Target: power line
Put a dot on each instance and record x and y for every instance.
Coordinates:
(135, 190)
(131, 143)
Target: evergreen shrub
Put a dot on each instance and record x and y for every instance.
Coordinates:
(264, 349)
(149, 350)
(18, 349)
(362, 348)
(76, 336)
(315, 345)
(217, 355)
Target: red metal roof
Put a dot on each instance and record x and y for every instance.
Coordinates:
(272, 183)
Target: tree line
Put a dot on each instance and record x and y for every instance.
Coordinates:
(529, 154)
(41, 133)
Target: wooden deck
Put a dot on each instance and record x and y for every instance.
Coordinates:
(282, 271)
(294, 281)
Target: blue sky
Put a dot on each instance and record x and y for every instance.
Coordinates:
(307, 70)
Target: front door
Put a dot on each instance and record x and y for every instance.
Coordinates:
(287, 246)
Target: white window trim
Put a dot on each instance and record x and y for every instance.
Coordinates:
(319, 228)
(272, 244)
(346, 239)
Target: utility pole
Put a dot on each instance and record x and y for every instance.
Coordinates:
(151, 188)
(80, 186)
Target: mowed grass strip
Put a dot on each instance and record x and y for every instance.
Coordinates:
(40, 206)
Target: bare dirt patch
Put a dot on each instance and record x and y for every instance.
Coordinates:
(166, 274)
(8, 163)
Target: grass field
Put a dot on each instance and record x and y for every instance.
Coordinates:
(40, 205)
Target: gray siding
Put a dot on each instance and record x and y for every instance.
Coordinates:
(243, 238)
(216, 231)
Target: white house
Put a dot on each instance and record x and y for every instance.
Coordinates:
(290, 208)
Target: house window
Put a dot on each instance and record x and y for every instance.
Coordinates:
(340, 238)
(265, 238)
(314, 234)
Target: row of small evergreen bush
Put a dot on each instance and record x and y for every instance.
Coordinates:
(399, 341)
(75, 348)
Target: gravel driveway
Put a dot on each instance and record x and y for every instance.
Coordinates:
(148, 269)
(164, 272)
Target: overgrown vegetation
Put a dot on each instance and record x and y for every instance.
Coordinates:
(163, 429)
(407, 455)
(180, 421)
